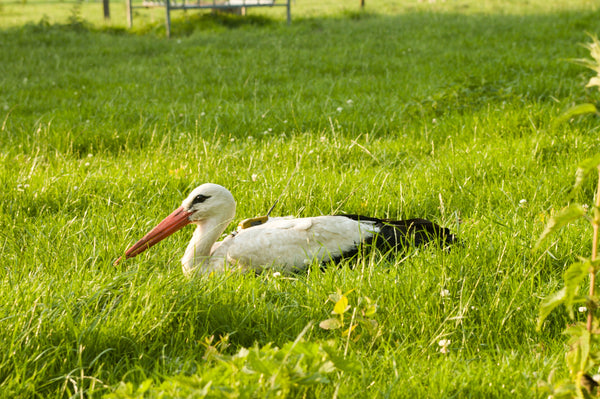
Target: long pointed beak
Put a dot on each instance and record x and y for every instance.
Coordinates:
(172, 223)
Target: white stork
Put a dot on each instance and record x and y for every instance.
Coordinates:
(288, 244)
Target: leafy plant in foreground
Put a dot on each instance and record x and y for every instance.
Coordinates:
(361, 315)
(583, 356)
(253, 372)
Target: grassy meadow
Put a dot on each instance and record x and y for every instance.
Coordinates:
(444, 110)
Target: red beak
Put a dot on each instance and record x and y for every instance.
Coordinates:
(172, 223)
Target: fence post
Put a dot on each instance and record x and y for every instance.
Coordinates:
(106, 8)
(168, 21)
(129, 13)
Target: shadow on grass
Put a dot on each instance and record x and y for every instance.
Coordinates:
(182, 25)
(88, 340)
(186, 24)
(190, 23)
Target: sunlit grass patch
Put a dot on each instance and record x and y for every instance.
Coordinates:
(441, 110)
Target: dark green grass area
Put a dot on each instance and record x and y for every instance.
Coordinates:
(400, 73)
(436, 113)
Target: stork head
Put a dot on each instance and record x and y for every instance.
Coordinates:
(206, 204)
(209, 201)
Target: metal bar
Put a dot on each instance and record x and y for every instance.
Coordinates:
(184, 5)
(218, 6)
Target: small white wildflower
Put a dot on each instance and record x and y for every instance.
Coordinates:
(582, 309)
(444, 293)
(340, 109)
(75, 188)
(276, 274)
(323, 139)
(585, 207)
(90, 155)
(285, 121)
(254, 177)
(349, 101)
(523, 202)
(202, 113)
(434, 121)
(87, 164)
(444, 343)
(232, 139)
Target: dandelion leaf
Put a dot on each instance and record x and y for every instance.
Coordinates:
(577, 110)
(585, 169)
(574, 275)
(561, 219)
(549, 304)
(346, 364)
(330, 324)
(341, 306)
(579, 343)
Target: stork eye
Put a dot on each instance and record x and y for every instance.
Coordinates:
(200, 198)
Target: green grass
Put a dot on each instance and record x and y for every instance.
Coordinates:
(411, 109)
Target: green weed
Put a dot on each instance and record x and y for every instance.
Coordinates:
(583, 357)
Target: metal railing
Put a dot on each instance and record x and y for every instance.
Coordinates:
(233, 5)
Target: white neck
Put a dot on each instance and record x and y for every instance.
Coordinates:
(198, 250)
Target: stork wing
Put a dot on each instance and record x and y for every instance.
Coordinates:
(293, 244)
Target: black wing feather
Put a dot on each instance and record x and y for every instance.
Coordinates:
(398, 234)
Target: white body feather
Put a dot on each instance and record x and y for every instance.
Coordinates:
(284, 243)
